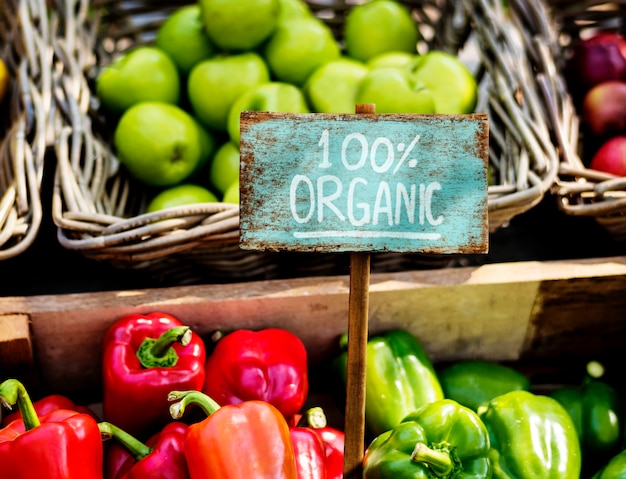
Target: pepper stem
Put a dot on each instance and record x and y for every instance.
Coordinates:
(159, 352)
(134, 446)
(343, 342)
(439, 462)
(185, 398)
(595, 370)
(313, 417)
(11, 392)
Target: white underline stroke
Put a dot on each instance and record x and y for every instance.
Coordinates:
(365, 234)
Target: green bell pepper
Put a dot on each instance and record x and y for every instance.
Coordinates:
(532, 437)
(475, 382)
(399, 378)
(595, 409)
(614, 469)
(441, 440)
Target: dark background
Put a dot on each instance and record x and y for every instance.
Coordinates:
(542, 233)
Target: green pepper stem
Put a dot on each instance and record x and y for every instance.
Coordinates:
(134, 446)
(343, 342)
(185, 398)
(313, 417)
(159, 352)
(439, 462)
(11, 392)
(594, 369)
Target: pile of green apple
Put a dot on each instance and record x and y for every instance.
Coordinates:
(177, 102)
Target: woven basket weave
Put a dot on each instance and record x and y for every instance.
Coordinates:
(25, 126)
(99, 210)
(580, 191)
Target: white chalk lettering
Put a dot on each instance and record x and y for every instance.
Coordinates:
(403, 197)
(381, 140)
(428, 201)
(365, 219)
(327, 200)
(367, 199)
(382, 204)
(293, 192)
(324, 144)
(364, 151)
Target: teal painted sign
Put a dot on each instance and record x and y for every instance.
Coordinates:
(363, 182)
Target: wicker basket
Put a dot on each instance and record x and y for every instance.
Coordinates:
(99, 210)
(580, 191)
(25, 126)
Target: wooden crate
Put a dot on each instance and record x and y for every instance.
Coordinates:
(547, 317)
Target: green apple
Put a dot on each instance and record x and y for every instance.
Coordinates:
(224, 169)
(299, 46)
(160, 144)
(392, 59)
(290, 9)
(451, 83)
(379, 26)
(214, 84)
(180, 195)
(209, 144)
(145, 73)
(272, 96)
(332, 87)
(231, 195)
(394, 90)
(183, 38)
(238, 25)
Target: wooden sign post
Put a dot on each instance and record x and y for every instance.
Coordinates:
(363, 183)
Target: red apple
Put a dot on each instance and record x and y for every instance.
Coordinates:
(604, 108)
(611, 156)
(599, 58)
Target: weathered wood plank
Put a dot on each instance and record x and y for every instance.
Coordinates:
(15, 343)
(578, 314)
(501, 311)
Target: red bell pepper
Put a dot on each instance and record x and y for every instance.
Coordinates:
(243, 441)
(268, 365)
(62, 444)
(161, 457)
(51, 403)
(334, 442)
(144, 358)
(310, 453)
(332, 438)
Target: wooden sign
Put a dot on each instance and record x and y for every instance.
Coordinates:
(364, 183)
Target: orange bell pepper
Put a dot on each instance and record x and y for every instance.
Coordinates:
(247, 440)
